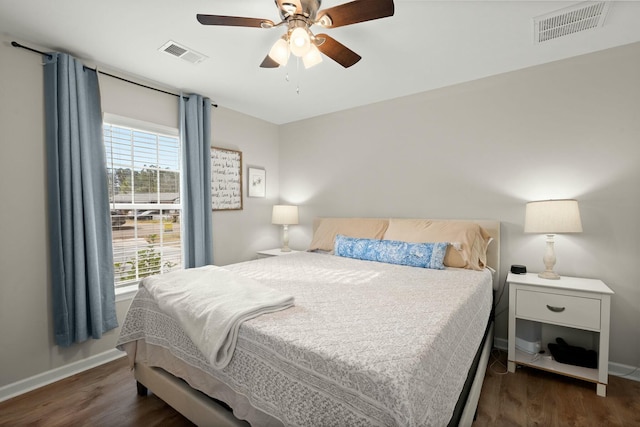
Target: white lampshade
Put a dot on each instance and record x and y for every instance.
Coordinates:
(280, 52)
(552, 217)
(284, 215)
(313, 57)
(299, 41)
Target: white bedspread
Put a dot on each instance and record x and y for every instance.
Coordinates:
(210, 303)
(366, 344)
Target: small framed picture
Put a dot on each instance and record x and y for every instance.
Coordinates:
(257, 182)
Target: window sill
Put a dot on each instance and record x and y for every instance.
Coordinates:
(126, 292)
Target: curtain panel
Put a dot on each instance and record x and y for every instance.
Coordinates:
(197, 222)
(83, 294)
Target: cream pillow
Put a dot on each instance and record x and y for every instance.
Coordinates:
(326, 230)
(468, 240)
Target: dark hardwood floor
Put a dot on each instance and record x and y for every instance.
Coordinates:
(106, 396)
(531, 397)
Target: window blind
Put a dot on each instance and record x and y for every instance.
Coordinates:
(143, 169)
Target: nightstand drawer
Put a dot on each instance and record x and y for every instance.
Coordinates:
(559, 309)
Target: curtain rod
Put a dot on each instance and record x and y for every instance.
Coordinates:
(16, 44)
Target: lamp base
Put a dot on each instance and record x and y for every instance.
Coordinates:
(549, 275)
(285, 239)
(549, 260)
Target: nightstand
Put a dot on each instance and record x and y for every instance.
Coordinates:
(573, 308)
(274, 252)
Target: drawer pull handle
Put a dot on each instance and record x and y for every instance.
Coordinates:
(555, 309)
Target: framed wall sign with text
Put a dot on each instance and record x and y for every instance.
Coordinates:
(226, 179)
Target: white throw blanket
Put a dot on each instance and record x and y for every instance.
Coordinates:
(210, 303)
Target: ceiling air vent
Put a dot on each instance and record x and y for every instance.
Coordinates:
(573, 19)
(182, 52)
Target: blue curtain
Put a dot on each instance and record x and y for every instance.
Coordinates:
(82, 283)
(195, 133)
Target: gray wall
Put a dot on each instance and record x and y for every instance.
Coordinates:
(239, 234)
(475, 150)
(25, 318)
(482, 149)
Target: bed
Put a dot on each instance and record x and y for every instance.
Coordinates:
(365, 343)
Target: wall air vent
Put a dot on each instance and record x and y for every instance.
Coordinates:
(580, 17)
(182, 52)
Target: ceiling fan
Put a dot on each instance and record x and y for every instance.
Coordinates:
(299, 16)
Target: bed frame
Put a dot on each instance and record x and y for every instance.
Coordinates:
(204, 411)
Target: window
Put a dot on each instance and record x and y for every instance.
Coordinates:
(143, 167)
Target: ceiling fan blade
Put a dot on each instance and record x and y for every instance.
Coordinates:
(354, 12)
(234, 21)
(269, 63)
(337, 51)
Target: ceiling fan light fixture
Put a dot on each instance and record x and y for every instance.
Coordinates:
(280, 51)
(298, 16)
(299, 41)
(311, 58)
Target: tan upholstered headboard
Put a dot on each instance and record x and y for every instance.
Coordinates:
(493, 251)
(376, 227)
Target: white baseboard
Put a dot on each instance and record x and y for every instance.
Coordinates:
(616, 369)
(23, 386)
(624, 371)
(501, 343)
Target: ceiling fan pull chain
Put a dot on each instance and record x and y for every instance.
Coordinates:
(298, 76)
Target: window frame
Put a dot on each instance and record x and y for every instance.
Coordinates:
(127, 291)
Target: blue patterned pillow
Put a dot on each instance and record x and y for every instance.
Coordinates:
(426, 255)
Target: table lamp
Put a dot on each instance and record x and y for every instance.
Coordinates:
(285, 215)
(552, 217)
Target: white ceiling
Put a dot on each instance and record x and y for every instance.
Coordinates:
(425, 45)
